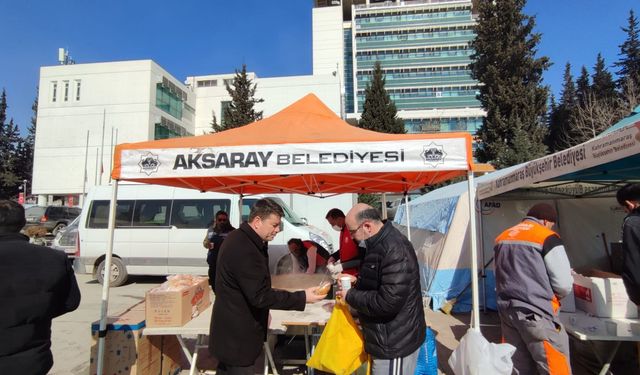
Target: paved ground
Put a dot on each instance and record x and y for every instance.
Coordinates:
(71, 333)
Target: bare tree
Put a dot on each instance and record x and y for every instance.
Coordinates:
(596, 114)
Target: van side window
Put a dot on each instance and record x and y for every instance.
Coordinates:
(246, 208)
(196, 213)
(99, 214)
(151, 213)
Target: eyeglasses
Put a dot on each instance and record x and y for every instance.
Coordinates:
(353, 231)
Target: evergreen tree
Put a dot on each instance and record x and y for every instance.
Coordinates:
(629, 63)
(215, 127)
(603, 86)
(379, 112)
(241, 110)
(560, 131)
(9, 181)
(552, 122)
(24, 150)
(504, 62)
(583, 86)
(3, 110)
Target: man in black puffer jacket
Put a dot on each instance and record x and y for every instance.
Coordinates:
(387, 294)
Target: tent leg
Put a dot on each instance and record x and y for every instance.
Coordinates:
(102, 333)
(483, 271)
(240, 210)
(474, 251)
(384, 205)
(406, 203)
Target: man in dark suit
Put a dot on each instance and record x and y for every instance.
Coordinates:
(37, 284)
(239, 321)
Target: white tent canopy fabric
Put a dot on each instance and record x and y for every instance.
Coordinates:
(580, 181)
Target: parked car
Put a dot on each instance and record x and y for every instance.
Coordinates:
(67, 239)
(53, 218)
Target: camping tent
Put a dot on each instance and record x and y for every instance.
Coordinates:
(303, 149)
(581, 181)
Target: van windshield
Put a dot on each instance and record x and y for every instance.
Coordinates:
(289, 214)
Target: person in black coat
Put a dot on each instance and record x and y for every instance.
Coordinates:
(37, 284)
(216, 233)
(387, 294)
(239, 321)
(629, 197)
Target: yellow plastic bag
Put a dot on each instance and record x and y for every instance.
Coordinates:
(340, 349)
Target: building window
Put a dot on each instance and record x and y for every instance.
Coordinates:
(78, 82)
(66, 91)
(168, 129)
(54, 91)
(168, 101)
(228, 82)
(208, 83)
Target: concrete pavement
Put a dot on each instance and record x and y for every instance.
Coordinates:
(71, 333)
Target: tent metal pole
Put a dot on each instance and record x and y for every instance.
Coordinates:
(483, 271)
(474, 252)
(106, 280)
(384, 205)
(406, 203)
(240, 210)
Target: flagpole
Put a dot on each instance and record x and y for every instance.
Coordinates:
(95, 182)
(111, 155)
(104, 114)
(84, 179)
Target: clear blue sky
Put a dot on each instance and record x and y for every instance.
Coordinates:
(197, 37)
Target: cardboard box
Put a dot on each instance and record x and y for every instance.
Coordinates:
(127, 351)
(604, 297)
(175, 308)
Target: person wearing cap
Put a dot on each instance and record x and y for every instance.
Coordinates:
(532, 275)
(629, 198)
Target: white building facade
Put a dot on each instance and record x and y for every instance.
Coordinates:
(84, 109)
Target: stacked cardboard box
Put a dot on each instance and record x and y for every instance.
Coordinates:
(168, 306)
(127, 351)
(602, 294)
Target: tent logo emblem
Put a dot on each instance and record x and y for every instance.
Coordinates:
(149, 163)
(433, 154)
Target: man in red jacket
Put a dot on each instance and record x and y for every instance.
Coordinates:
(348, 252)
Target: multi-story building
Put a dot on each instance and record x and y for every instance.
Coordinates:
(278, 92)
(423, 47)
(84, 109)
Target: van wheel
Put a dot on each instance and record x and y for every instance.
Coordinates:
(58, 228)
(118, 272)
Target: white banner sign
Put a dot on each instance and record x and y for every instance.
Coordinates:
(613, 146)
(302, 158)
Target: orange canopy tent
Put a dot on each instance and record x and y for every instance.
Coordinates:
(306, 149)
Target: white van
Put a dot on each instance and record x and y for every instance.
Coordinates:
(159, 230)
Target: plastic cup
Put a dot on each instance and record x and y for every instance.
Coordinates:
(345, 283)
